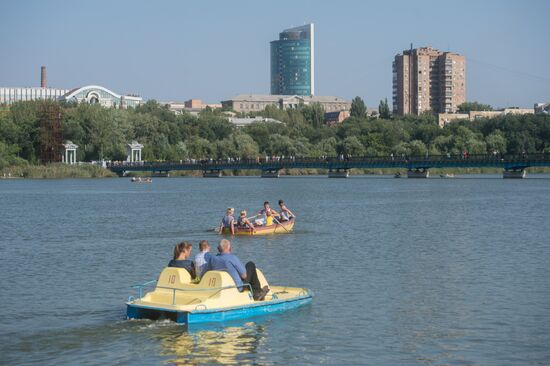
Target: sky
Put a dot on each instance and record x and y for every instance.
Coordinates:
(213, 50)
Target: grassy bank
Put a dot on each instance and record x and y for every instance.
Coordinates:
(56, 171)
(60, 171)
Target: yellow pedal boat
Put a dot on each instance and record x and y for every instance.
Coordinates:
(283, 227)
(215, 298)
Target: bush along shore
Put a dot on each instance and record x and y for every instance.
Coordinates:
(55, 171)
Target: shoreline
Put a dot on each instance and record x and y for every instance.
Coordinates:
(87, 171)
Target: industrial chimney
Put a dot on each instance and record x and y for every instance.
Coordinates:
(43, 77)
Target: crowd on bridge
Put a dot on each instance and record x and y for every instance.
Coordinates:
(463, 155)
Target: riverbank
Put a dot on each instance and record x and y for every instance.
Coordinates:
(62, 171)
(56, 171)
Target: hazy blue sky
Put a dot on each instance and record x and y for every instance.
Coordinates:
(176, 50)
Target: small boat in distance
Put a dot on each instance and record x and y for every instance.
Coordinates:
(447, 175)
(282, 227)
(397, 175)
(215, 298)
(140, 180)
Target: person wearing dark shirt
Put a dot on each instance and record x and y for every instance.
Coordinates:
(182, 251)
(228, 222)
(228, 262)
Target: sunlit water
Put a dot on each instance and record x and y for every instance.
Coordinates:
(409, 272)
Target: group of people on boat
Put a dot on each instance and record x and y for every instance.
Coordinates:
(140, 180)
(245, 276)
(267, 216)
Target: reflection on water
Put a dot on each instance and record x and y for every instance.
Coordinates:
(230, 345)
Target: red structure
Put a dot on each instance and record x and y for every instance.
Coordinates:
(43, 76)
(50, 133)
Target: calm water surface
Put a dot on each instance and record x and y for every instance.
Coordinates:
(405, 272)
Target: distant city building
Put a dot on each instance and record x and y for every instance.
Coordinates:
(242, 122)
(293, 62)
(258, 102)
(445, 118)
(12, 95)
(425, 79)
(333, 118)
(193, 106)
(542, 108)
(90, 94)
(95, 94)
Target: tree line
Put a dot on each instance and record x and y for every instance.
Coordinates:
(102, 133)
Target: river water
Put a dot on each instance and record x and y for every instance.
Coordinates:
(404, 271)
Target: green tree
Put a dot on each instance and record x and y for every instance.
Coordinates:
(199, 148)
(8, 155)
(245, 146)
(473, 106)
(496, 142)
(384, 109)
(358, 108)
(314, 114)
(417, 148)
(326, 147)
(181, 151)
(351, 146)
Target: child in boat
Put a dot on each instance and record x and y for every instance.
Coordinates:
(182, 251)
(201, 258)
(228, 222)
(286, 214)
(244, 222)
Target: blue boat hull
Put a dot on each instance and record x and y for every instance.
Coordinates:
(135, 311)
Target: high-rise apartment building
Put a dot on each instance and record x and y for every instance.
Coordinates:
(425, 79)
(293, 62)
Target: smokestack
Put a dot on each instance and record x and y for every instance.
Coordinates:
(43, 76)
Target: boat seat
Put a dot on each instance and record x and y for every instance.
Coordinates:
(224, 279)
(174, 277)
(216, 279)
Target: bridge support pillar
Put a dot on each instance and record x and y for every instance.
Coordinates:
(212, 174)
(338, 173)
(418, 173)
(518, 173)
(272, 173)
(161, 174)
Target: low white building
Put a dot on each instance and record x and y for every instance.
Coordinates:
(242, 122)
(11, 95)
(258, 102)
(95, 94)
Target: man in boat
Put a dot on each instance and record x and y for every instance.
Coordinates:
(268, 213)
(286, 214)
(200, 259)
(228, 222)
(227, 261)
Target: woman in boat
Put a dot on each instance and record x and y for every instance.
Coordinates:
(228, 222)
(243, 222)
(286, 214)
(182, 251)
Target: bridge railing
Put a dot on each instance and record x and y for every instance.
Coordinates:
(290, 161)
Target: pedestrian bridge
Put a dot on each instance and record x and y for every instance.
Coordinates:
(338, 167)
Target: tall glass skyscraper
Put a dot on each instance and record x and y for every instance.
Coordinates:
(293, 63)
